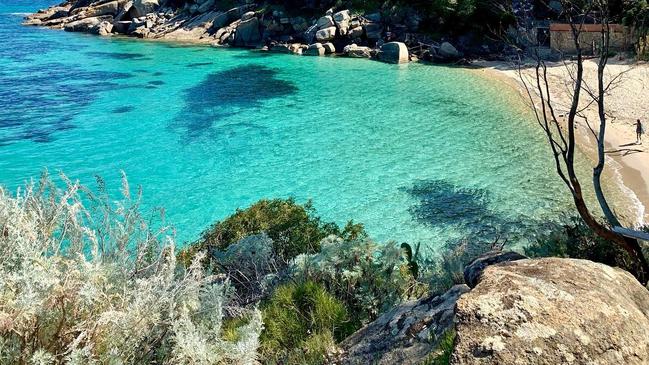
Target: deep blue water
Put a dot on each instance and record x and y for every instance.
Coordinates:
(417, 153)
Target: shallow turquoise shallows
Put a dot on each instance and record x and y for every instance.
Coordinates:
(417, 153)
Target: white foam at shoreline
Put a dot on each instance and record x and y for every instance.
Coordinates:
(639, 208)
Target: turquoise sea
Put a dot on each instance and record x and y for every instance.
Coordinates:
(417, 153)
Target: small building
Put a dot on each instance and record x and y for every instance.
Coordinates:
(590, 38)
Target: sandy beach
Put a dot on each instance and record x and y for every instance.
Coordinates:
(627, 101)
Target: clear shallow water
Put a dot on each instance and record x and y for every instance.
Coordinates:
(417, 153)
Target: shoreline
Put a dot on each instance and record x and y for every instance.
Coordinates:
(628, 167)
(628, 163)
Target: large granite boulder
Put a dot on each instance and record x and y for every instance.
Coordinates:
(342, 19)
(405, 335)
(111, 8)
(355, 51)
(103, 29)
(394, 52)
(86, 24)
(325, 34)
(553, 311)
(248, 34)
(325, 22)
(315, 49)
(448, 52)
(144, 7)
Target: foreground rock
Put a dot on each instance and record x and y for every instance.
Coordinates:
(394, 52)
(405, 335)
(553, 311)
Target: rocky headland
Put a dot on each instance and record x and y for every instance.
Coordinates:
(390, 36)
(516, 310)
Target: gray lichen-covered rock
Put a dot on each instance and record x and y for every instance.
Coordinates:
(553, 311)
(405, 335)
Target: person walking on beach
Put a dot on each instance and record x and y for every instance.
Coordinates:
(639, 130)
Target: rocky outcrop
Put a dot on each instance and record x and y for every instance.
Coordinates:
(553, 311)
(253, 25)
(247, 34)
(519, 311)
(405, 335)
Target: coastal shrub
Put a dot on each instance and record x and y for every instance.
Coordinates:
(576, 240)
(294, 229)
(85, 280)
(301, 322)
(369, 278)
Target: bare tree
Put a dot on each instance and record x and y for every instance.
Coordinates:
(561, 136)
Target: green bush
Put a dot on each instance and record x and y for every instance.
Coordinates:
(301, 321)
(294, 229)
(369, 278)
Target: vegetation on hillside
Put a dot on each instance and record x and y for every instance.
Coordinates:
(86, 281)
(294, 229)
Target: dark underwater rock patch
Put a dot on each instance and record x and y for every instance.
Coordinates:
(226, 93)
(123, 109)
(118, 55)
(44, 99)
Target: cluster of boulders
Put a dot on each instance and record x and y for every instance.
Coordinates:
(341, 32)
(336, 32)
(515, 310)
